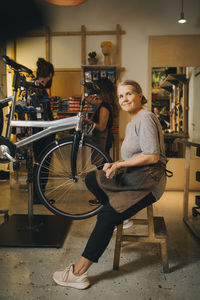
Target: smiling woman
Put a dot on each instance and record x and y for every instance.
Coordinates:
(123, 187)
(131, 98)
(66, 2)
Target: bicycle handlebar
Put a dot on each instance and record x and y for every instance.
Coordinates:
(31, 84)
(15, 65)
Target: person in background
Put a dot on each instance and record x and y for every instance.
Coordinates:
(142, 148)
(40, 97)
(44, 75)
(162, 117)
(106, 108)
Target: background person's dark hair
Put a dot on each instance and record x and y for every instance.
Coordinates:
(108, 93)
(44, 68)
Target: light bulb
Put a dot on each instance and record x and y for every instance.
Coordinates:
(182, 19)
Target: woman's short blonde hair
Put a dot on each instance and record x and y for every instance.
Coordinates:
(137, 88)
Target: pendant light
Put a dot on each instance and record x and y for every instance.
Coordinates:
(182, 19)
(65, 2)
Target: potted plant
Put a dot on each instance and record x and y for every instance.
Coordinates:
(92, 59)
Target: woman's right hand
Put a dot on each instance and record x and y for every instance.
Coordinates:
(92, 99)
(107, 166)
(111, 168)
(108, 170)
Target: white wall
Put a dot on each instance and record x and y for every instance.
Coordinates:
(139, 18)
(194, 96)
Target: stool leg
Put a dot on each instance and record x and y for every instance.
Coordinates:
(117, 247)
(164, 256)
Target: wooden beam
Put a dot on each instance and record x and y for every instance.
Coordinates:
(13, 49)
(106, 32)
(75, 33)
(83, 41)
(118, 46)
(47, 43)
(68, 69)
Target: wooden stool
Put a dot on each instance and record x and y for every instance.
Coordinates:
(157, 233)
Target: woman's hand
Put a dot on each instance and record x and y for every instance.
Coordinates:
(91, 126)
(111, 168)
(92, 99)
(107, 166)
(141, 160)
(88, 121)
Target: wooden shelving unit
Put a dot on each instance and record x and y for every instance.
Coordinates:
(177, 86)
(170, 96)
(66, 81)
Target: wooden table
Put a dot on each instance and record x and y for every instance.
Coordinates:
(193, 223)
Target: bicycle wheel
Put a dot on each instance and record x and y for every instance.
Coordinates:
(53, 181)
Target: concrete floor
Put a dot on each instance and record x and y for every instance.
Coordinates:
(26, 273)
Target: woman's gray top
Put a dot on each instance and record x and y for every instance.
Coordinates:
(144, 136)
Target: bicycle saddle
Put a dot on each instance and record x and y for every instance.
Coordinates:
(17, 67)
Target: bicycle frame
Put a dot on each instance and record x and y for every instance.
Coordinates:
(4, 102)
(50, 127)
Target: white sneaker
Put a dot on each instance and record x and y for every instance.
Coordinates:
(126, 224)
(67, 278)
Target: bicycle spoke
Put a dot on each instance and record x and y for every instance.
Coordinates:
(88, 167)
(50, 191)
(70, 195)
(63, 158)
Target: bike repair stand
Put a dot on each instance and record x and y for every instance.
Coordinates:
(33, 230)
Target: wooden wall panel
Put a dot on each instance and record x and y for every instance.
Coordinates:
(66, 83)
(174, 51)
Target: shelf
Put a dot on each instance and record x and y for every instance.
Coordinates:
(175, 135)
(170, 96)
(72, 112)
(178, 78)
(103, 67)
(188, 142)
(166, 85)
(160, 95)
(173, 79)
(99, 66)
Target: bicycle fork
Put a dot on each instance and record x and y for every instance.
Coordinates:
(74, 154)
(77, 142)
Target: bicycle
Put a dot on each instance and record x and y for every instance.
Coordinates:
(4, 102)
(60, 171)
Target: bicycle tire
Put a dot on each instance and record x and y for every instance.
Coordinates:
(58, 192)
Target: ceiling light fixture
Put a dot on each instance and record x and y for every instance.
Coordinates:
(66, 2)
(182, 19)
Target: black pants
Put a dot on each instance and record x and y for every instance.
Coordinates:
(107, 219)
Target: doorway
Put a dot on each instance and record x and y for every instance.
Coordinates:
(170, 58)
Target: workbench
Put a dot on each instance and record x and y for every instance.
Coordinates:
(193, 223)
